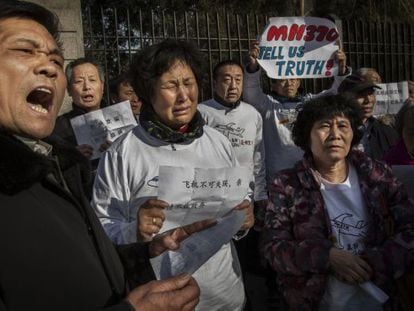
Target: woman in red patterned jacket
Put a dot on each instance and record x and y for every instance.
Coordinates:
(325, 227)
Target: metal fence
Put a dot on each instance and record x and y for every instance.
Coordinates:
(113, 34)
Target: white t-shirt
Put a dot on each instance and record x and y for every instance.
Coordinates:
(349, 222)
(128, 176)
(243, 127)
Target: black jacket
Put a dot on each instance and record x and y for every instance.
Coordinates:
(54, 253)
(63, 134)
(381, 138)
(63, 127)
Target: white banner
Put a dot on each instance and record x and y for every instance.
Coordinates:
(299, 47)
(199, 247)
(390, 97)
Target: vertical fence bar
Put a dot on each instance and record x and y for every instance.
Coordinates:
(239, 37)
(152, 26)
(356, 43)
(219, 35)
(198, 43)
(186, 25)
(90, 28)
(345, 41)
(365, 43)
(197, 29)
(141, 29)
(257, 25)
(398, 50)
(117, 42)
(129, 37)
(228, 34)
(371, 44)
(249, 39)
(412, 50)
(175, 25)
(209, 54)
(392, 55)
(377, 30)
(105, 53)
(404, 51)
(384, 37)
(164, 30)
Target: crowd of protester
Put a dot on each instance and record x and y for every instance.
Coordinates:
(328, 212)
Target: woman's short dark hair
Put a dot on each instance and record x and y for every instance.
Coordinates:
(32, 11)
(153, 61)
(407, 108)
(325, 108)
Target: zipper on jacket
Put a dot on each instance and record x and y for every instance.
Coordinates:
(173, 148)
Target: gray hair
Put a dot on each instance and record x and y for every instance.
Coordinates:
(81, 61)
(408, 107)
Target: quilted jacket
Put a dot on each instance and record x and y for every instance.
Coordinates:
(297, 235)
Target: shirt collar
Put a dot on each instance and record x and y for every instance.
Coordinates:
(37, 146)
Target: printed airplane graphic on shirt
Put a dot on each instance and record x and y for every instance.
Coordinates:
(234, 133)
(153, 182)
(230, 129)
(344, 226)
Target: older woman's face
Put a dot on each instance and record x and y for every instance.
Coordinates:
(176, 95)
(330, 140)
(408, 131)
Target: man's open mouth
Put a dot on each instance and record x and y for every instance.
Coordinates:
(87, 98)
(40, 99)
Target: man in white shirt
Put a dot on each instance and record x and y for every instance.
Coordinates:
(242, 125)
(238, 121)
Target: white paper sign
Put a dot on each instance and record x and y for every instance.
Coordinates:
(390, 97)
(95, 127)
(196, 193)
(374, 291)
(199, 247)
(299, 47)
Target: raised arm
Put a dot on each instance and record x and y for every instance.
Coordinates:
(252, 90)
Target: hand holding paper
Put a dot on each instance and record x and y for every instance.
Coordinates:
(199, 247)
(171, 239)
(150, 219)
(247, 207)
(86, 150)
(97, 127)
(200, 194)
